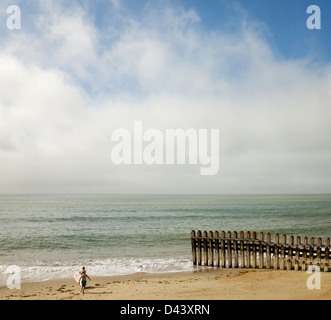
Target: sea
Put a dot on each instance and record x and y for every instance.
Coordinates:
(51, 236)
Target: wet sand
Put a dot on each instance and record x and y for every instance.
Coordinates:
(221, 284)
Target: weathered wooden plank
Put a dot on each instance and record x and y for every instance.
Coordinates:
(254, 249)
(276, 251)
(199, 246)
(242, 253)
(261, 255)
(282, 252)
(248, 250)
(205, 249)
(235, 248)
(290, 253)
(318, 250)
(211, 248)
(223, 257)
(194, 248)
(268, 251)
(297, 253)
(217, 249)
(229, 251)
(311, 250)
(327, 250)
(304, 254)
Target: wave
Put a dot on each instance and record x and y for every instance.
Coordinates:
(41, 271)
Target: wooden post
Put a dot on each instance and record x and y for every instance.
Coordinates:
(290, 253)
(248, 249)
(268, 251)
(304, 254)
(282, 252)
(242, 254)
(194, 249)
(261, 257)
(311, 250)
(276, 253)
(205, 248)
(235, 248)
(254, 249)
(318, 250)
(297, 253)
(199, 243)
(217, 249)
(223, 249)
(211, 249)
(228, 236)
(327, 252)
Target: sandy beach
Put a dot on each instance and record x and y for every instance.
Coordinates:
(212, 284)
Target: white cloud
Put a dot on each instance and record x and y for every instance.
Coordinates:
(65, 89)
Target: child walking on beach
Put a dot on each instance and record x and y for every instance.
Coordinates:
(83, 280)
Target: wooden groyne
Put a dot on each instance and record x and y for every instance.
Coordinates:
(252, 250)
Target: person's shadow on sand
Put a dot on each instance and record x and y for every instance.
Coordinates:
(90, 290)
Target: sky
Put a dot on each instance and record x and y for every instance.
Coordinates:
(77, 71)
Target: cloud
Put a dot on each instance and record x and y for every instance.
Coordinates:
(67, 84)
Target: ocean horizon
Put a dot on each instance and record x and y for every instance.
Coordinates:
(51, 236)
